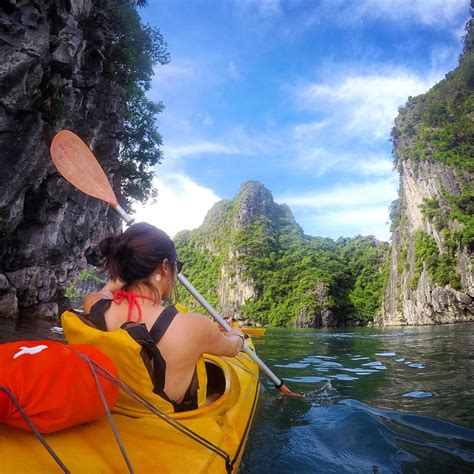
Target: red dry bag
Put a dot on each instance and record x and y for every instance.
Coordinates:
(53, 384)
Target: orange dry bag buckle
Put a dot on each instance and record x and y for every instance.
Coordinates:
(52, 384)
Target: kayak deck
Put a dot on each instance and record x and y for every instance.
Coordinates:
(152, 444)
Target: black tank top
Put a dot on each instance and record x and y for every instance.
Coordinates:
(151, 355)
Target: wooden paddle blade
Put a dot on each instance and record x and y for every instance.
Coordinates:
(79, 166)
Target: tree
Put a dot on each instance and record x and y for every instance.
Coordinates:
(136, 49)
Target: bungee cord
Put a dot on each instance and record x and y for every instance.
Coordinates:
(35, 430)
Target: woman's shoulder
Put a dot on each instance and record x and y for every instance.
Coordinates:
(196, 323)
(92, 298)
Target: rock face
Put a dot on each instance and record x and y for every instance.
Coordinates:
(322, 317)
(431, 277)
(253, 202)
(427, 303)
(51, 78)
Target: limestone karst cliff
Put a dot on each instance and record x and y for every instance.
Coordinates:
(431, 277)
(252, 260)
(51, 77)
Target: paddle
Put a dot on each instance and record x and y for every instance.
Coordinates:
(76, 163)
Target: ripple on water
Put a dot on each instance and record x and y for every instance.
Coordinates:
(417, 365)
(360, 371)
(417, 394)
(294, 365)
(376, 365)
(305, 379)
(342, 377)
(386, 354)
(321, 361)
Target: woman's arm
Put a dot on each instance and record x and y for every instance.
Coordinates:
(106, 292)
(211, 340)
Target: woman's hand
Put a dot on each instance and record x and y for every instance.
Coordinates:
(235, 330)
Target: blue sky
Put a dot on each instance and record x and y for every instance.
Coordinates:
(298, 94)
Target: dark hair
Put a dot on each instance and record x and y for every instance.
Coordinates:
(136, 253)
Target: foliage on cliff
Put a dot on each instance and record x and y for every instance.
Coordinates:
(434, 143)
(136, 49)
(439, 126)
(260, 242)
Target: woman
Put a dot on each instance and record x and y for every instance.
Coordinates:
(143, 267)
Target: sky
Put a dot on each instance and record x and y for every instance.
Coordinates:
(300, 95)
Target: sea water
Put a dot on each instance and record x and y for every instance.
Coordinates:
(377, 400)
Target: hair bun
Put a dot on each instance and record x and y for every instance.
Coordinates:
(111, 246)
(135, 254)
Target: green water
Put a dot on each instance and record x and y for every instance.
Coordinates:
(379, 400)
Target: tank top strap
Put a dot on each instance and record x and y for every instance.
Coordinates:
(162, 323)
(97, 313)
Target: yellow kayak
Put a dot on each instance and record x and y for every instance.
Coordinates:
(250, 330)
(254, 331)
(152, 444)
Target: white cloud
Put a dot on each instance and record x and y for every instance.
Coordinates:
(442, 55)
(375, 166)
(369, 220)
(205, 119)
(173, 71)
(351, 195)
(440, 14)
(265, 8)
(181, 204)
(437, 13)
(303, 130)
(315, 157)
(363, 104)
(198, 148)
(357, 208)
(232, 71)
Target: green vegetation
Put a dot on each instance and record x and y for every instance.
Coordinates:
(402, 263)
(439, 265)
(136, 49)
(87, 281)
(292, 274)
(439, 125)
(435, 213)
(368, 264)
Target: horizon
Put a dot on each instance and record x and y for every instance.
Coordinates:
(300, 96)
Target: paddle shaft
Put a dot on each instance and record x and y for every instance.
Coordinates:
(121, 212)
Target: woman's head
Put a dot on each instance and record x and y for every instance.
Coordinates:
(139, 254)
